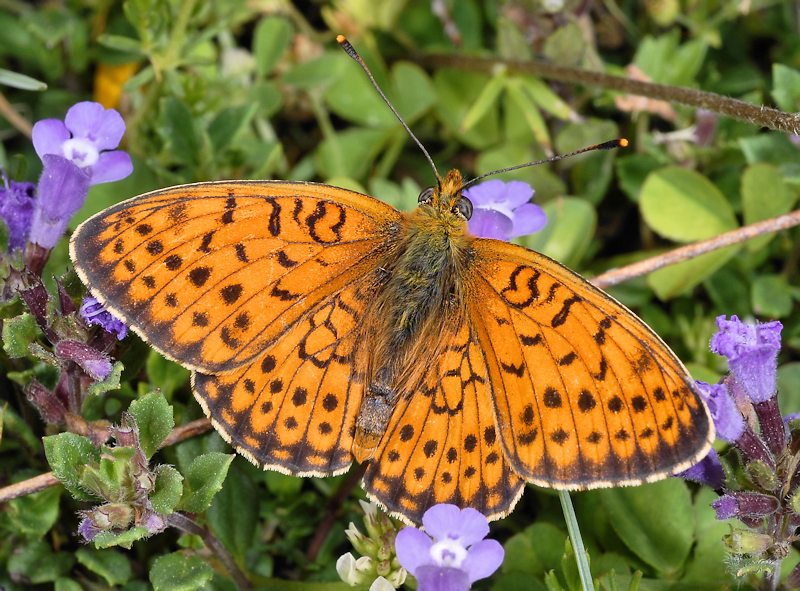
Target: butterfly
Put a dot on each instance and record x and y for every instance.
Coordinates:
(323, 325)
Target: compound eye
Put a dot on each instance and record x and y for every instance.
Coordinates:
(464, 207)
(426, 195)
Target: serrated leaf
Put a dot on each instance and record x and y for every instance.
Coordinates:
(125, 539)
(18, 333)
(155, 420)
(21, 81)
(203, 479)
(662, 539)
(765, 194)
(108, 384)
(683, 205)
(176, 572)
(270, 39)
(67, 454)
(167, 491)
(112, 566)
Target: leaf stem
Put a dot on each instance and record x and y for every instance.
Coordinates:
(690, 251)
(185, 524)
(735, 108)
(577, 541)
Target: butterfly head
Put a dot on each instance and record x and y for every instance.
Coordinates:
(446, 198)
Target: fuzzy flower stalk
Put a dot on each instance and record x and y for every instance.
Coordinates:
(760, 488)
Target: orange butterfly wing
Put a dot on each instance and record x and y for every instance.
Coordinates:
(585, 394)
(441, 444)
(209, 274)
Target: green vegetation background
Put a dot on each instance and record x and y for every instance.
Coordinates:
(259, 89)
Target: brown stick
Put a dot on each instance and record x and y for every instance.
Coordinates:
(46, 480)
(741, 110)
(690, 251)
(16, 120)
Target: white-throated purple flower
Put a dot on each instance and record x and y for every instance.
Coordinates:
(504, 210)
(453, 553)
(61, 192)
(16, 209)
(87, 137)
(93, 312)
(752, 352)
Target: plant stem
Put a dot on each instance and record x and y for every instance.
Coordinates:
(188, 525)
(690, 251)
(577, 541)
(737, 109)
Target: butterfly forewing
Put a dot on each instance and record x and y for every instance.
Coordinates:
(210, 273)
(585, 394)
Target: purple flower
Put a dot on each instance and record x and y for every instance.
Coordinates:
(92, 361)
(93, 312)
(727, 418)
(745, 504)
(456, 556)
(87, 137)
(16, 209)
(88, 529)
(707, 471)
(503, 210)
(62, 190)
(752, 352)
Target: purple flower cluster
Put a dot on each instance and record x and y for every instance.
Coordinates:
(504, 210)
(76, 153)
(452, 553)
(93, 312)
(764, 491)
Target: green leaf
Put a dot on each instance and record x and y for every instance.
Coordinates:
(155, 420)
(352, 97)
(21, 81)
(680, 278)
(67, 454)
(233, 516)
(115, 568)
(176, 572)
(203, 479)
(457, 91)
(632, 170)
(125, 539)
(569, 231)
(164, 374)
(683, 205)
(108, 384)
(518, 106)
(64, 584)
(350, 153)
(319, 72)
(709, 559)
(120, 43)
(789, 387)
(661, 538)
(225, 128)
(37, 563)
(535, 550)
(771, 296)
(167, 491)
(33, 515)
(484, 102)
(765, 194)
(18, 333)
(786, 87)
(412, 90)
(270, 40)
(178, 130)
(547, 100)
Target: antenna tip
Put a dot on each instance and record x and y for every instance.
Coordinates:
(623, 142)
(341, 39)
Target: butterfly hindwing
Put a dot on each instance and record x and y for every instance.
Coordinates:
(210, 273)
(585, 394)
(441, 444)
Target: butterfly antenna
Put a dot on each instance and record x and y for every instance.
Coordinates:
(609, 145)
(351, 51)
